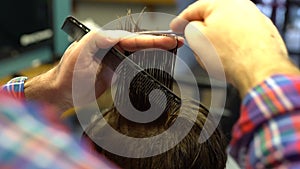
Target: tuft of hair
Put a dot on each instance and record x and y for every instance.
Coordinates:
(189, 153)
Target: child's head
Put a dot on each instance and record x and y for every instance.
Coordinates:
(188, 153)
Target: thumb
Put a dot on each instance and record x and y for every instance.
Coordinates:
(206, 54)
(194, 35)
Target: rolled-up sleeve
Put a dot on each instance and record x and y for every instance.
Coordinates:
(267, 135)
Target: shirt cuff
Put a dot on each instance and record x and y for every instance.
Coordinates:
(275, 96)
(15, 87)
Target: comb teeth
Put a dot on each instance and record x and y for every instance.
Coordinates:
(147, 80)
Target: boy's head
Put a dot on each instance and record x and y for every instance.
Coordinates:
(188, 153)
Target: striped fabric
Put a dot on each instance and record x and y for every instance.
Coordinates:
(15, 87)
(267, 134)
(32, 136)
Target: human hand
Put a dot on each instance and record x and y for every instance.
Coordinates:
(81, 63)
(246, 41)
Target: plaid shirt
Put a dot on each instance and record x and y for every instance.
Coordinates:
(267, 135)
(32, 136)
(15, 87)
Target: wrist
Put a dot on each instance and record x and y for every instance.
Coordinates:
(246, 79)
(44, 88)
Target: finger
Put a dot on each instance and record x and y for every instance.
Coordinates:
(195, 36)
(105, 39)
(197, 11)
(128, 41)
(93, 41)
(205, 52)
(139, 42)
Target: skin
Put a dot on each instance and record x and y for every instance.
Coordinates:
(248, 44)
(55, 86)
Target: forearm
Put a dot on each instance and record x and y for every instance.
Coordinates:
(247, 78)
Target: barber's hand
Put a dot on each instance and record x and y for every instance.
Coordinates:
(81, 64)
(248, 44)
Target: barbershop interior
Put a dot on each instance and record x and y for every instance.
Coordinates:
(33, 40)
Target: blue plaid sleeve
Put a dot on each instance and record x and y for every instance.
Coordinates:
(267, 134)
(15, 87)
(33, 137)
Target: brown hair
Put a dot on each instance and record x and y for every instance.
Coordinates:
(188, 153)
